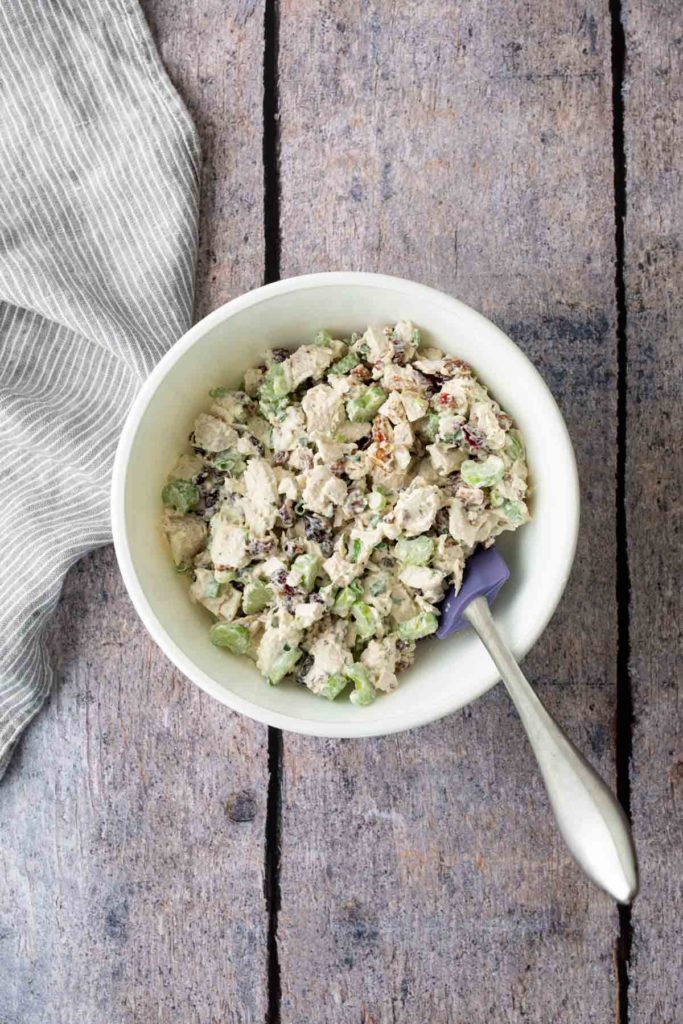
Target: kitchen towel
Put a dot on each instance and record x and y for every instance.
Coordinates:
(99, 169)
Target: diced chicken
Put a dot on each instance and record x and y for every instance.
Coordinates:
(230, 407)
(340, 570)
(287, 432)
(186, 535)
(450, 558)
(458, 391)
(445, 460)
(228, 544)
(330, 451)
(417, 506)
(329, 657)
(403, 436)
(403, 378)
(261, 496)
(252, 381)
(484, 420)
(186, 467)
(379, 658)
(212, 434)
(309, 361)
(420, 577)
(459, 526)
(324, 409)
(286, 484)
(224, 606)
(393, 408)
(415, 406)
(301, 459)
(403, 606)
(323, 490)
(354, 431)
(309, 612)
(378, 344)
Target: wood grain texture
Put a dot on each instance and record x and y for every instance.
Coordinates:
(132, 818)
(654, 272)
(213, 52)
(468, 146)
(132, 835)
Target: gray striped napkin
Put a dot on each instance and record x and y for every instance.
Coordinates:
(99, 167)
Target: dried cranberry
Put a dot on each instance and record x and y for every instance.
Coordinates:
(474, 439)
(291, 546)
(441, 521)
(286, 514)
(280, 458)
(258, 548)
(303, 668)
(315, 528)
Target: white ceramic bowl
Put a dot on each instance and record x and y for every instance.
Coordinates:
(446, 674)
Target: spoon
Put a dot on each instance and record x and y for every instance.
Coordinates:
(589, 817)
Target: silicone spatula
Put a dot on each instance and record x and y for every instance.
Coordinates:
(588, 815)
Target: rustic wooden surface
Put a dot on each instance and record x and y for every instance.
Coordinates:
(132, 818)
(474, 153)
(469, 146)
(654, 272)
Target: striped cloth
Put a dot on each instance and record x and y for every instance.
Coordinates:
(99, 166)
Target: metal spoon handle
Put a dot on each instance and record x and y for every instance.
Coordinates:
(588, 815)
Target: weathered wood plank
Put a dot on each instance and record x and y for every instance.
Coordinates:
(468, 147)
(133, 815)
(654, 271)
(213, 52)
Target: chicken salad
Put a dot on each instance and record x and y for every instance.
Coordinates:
(326, 506)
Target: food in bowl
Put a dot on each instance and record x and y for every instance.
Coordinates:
(326, 506)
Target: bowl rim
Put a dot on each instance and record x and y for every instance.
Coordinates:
(127, 567)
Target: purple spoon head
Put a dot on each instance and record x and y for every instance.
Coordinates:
(485, 574)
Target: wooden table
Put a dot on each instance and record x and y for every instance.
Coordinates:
(169, 861)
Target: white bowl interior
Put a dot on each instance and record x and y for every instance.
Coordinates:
(446, 674)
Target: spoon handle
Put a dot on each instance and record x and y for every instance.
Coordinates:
(588, 815)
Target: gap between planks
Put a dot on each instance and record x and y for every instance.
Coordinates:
(624, 696)
(271, 272)
(624, 700)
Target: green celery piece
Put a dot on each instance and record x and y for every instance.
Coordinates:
(363, 408)
(346, 598)
(182, 495)
(483, 474)
(333, 686)
(417, 551)
(283, 665)
(365, 620)
(420, 625)
(230, 635)
(307, 566)
(345, 364)
(255, 597)
(364, 692)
